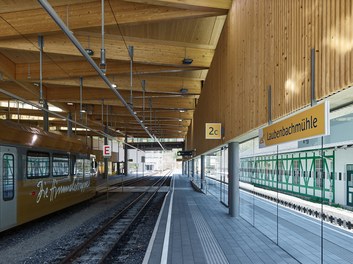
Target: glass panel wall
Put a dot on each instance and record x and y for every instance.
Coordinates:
(299, 194)
(248, 176)
(216, 174)
(224, 176)
(197, 171)
(190, 168)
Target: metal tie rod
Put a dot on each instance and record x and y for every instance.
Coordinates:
(51, 12)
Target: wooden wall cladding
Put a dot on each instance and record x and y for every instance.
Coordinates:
(269, 42)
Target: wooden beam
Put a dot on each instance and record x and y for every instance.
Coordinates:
(132, 133)
(146, 53)
(130, 120)
(21, 5)
(66, 69)
(161, 114)
(7, 67)
(88, 15)
(95, 96)
(94, 125)
(205, 5)
(115, 111)
(154, 84)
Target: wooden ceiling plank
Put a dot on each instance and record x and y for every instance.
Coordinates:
(88, 15)
(115, 50)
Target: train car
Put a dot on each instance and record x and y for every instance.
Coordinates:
(311, 173)
(41, 172)
(112, 163)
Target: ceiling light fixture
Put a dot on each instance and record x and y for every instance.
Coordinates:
(184, 90)
(89, 52)
(187, 61)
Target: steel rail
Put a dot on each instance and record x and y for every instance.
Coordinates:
(78, 250)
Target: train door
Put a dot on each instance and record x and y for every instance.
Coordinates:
(8, 197)
(350, 184)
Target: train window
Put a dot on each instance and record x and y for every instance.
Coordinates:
(79, 167)
(73, 164)
(60, 165)
(8, 177)
(87, 168)
(38, 164)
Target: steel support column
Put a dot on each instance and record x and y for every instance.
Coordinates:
(233, 185)
(192, 168)
(203, 176)
(106, 159)
(125, 157)
(45, 116)
(69, 124)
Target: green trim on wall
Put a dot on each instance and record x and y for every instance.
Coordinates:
(262, 171)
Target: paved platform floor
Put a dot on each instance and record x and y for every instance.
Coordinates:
(195, 228)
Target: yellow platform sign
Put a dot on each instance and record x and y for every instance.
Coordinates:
(310, 123)
(213, 131)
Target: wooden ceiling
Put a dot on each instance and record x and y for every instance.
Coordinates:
(162, 32)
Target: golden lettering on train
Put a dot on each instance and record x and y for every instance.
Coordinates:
(43, 191)
(55, 189)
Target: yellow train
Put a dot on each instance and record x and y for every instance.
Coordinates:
(40, 173)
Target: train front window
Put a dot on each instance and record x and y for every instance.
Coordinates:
(60, 165)
(8, 177)
(38, 164)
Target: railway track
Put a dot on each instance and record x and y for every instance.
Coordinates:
(102, 188)
(99, 245)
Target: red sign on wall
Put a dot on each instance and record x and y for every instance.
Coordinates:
(107, 151)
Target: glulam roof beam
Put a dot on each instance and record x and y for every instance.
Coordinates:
(203, 5)
(153, 84)
(148, 53)
(88, 15)
(69, 69)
